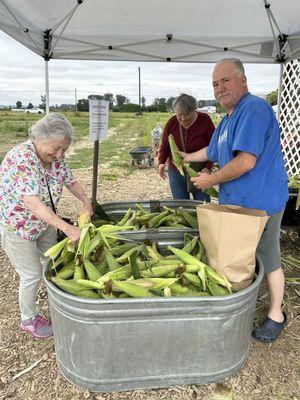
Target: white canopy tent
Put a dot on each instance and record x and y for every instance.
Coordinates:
(257, 31)
(194, 31)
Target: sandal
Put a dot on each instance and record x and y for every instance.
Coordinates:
(269, 330)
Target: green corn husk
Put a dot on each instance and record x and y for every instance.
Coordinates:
(110, 260)
(153, 222)
(78, 272)
(176, 158)
(67, 271)
(190, 245)
(56, 249)
(124, 257)
(217, 290)
(157, 272)
(125, 217)
(185, 257)
(153, 253)
(91, 270)
(194, 279)
(219, 279)
(191, 221)
(74, 288)
(90, 284)
(193, 174)
(131, 289)
(122, 248)
(133, 265)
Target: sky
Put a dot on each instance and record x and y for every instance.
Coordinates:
(22, 78)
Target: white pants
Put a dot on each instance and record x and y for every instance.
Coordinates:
(27, 258)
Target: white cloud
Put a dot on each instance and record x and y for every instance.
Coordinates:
(22, 77)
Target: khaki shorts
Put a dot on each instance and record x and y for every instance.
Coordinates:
(268, 248)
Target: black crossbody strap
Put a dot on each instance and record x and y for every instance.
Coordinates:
(182, 138)
(51, 200)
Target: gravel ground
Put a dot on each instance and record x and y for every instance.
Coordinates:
(28, 367)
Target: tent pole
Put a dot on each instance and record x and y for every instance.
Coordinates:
(279, 92)
(47, 85)
(95, 173)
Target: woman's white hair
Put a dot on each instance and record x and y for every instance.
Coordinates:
(185, 103)
(52, 127)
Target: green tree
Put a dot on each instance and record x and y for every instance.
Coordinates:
(170, 101)
(19, 104)
(121, 100)
(272, 97)
(160, 103)
(43, 102)
(220, 109)
(143, 102)
(110, 98)
(30, 105)
(83, 105)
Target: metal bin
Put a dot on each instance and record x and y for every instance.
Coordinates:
(123, 344)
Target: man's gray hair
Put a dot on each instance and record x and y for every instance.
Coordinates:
(52, 127)
(238, 65)
(185, 103)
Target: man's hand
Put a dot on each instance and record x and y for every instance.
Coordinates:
(204, 180)
(184, 156)
(161, 171)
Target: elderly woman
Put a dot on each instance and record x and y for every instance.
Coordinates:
(191, 130)
(33, 173)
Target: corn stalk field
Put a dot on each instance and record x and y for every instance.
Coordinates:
(28, 368)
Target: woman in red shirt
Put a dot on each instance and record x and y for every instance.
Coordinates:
(197, 129)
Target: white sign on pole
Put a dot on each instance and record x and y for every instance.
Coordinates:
(98, 119)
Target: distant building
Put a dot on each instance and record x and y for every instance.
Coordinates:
(207, 109)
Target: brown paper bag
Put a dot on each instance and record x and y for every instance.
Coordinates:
(230, 235)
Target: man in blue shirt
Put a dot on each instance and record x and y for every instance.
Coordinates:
(246, 146)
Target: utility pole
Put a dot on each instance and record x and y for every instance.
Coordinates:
(76, 100)
(140, 90)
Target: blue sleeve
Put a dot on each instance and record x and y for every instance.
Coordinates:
(212, 149)
(251, 133)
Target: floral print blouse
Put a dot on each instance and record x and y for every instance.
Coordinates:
(22, 174)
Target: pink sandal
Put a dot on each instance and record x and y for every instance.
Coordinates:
(37, 326)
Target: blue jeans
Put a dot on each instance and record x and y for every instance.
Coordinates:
(178, 188)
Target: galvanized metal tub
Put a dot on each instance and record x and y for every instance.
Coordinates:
(123, 344)
(116, 210)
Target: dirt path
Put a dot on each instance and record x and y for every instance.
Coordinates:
(270, 373)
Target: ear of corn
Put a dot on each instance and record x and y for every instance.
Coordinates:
(78, 272)
(194, 279)
(176, 158)
(125, 217)
(133, 265)
(83, 219)
(67, 271)
(193, 174)
(219, 279)
(91, 270)
(217, 290)
(111, 261)
(74, 288)
(131, 289)
(157, 272)
(56, 249)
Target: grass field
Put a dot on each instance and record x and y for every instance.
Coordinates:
(127, 131)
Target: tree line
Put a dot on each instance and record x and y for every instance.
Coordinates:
(121, 103)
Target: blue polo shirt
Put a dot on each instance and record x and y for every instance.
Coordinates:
(252, 128)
